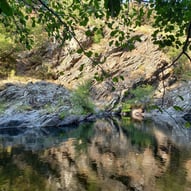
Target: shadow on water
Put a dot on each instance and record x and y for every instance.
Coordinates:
(110, 154)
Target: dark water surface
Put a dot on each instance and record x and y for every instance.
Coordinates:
(108, 155)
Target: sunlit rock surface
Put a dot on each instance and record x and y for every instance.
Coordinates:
(32, 106)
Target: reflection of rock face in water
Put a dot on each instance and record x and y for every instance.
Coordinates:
(105, 156)
(111, 161)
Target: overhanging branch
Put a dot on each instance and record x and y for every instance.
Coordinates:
(71, 32)
(184, 48)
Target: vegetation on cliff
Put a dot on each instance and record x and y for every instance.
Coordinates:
(79, 28)
(60, 20)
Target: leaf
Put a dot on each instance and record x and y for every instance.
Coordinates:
(61, 73)
(181, 98)
(84, 22)
(81, 67)
(89, 54)
(79, 51)
(113, 33)
(111, 42)
(88, 33)
(115, 79)
(33, 23)
(152, 107)
(96, 55)
(5, 7)
(98, 78)
(177, 108)
(122, 78)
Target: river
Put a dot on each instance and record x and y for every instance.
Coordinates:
(107, 155)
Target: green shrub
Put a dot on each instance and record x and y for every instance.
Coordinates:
(142, 91)
(137, 97)
(81, 102)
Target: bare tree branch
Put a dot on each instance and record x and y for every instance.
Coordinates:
(184, 48)
(187, 56)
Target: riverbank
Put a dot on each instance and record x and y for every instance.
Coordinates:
(140, 76)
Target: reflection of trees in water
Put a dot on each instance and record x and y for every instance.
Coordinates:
(177, 175)
(116, 158)
(109, 155)
(22, 170)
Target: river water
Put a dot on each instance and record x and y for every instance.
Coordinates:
(107, 155)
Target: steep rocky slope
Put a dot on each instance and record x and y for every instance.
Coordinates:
(126, 69)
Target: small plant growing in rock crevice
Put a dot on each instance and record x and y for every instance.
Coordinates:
(81, 102)
(139, 96)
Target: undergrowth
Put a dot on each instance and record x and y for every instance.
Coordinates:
(139, 96)
(81, 102)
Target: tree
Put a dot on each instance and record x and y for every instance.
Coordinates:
(172, 19)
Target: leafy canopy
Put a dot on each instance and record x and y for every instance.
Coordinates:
(171, 19)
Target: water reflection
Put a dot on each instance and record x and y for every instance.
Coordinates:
(114, 155)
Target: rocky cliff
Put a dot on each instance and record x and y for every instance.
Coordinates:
(125, 70)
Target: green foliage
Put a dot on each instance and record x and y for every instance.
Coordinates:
(59, 19)
(98, 35)
(5, 8)
(81, 101)
(171, 20)
(173, 52)
(183, 69)
(63, 114)
(177, 108)
(138, 97)
(183, 72)
(119, 18)
(142, 92)
(126, 107)
(5, 40)
(187, 125)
